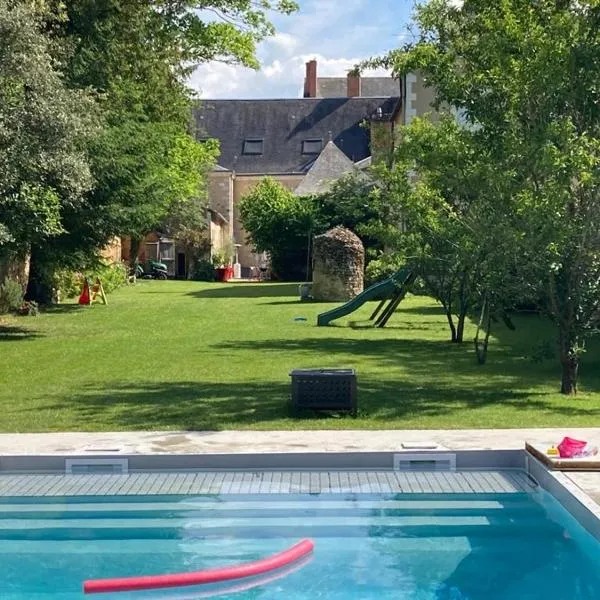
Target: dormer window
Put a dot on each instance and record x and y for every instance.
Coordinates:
(312, 146)
(253, 146)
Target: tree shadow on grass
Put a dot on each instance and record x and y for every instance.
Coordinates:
(181, 405)
(429, 360)
(288, 302)
(247, 290)
(421, 310)
(193, 406)
(10, 333)
(59, 309)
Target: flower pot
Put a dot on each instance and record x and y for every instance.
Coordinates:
(223, 273)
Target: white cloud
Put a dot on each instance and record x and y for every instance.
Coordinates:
(281, 78)
(338, 33)
(283, 42)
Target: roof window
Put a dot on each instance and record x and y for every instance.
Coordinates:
(253, 146)
(312, 146)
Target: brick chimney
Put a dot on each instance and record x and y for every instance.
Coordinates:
(354, 85)
(310, 81)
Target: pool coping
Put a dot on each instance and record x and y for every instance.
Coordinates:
(572, 497)
(314, 461)
(561, 485)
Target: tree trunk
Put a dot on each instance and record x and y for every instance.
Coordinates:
(134, 249)
(15, 265)
(451, 325)
(460, 328)
(569, 359)
(39, 286)
(485, 321)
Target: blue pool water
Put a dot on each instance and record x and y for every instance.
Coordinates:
(401, 547)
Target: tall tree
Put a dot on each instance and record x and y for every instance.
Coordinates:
(526, 74)
(44, 129)
(136, 58)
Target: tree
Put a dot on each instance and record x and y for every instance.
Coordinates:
(363, 203)
(187, 220)
(453, 231)
(281, 224)
(44, 127)
(145, 160)
(525, 73)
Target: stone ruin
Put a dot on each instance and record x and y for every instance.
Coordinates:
(338, 266)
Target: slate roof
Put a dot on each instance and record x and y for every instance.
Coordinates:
(331, 164)
(284, 125)
(371, 87)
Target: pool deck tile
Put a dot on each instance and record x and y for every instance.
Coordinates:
(265, 482)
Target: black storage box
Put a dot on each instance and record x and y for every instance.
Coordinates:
(324, 389)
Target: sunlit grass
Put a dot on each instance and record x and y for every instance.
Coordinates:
(187, 355)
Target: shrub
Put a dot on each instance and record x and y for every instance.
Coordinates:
(113, 276)
(29, 308)
(204, 271)
(69, 283)
(11, 296)
(381, 268)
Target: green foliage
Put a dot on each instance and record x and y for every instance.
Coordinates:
(524, 77)
(45, 126)
(383, 267)
(113, 276)
(364, 203)
(204, 270)
(143, 171)
(455, 235)
(279, 223)
(147, 165)
(186, 220)
(69, 283)
(11, 296)
(223, 257)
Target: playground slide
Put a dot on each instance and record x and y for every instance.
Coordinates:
(382, 289)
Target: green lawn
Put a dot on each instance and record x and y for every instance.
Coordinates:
(186, 355)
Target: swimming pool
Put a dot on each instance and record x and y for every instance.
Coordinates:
(368, 546)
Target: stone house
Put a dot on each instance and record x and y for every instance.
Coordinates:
(341, 124)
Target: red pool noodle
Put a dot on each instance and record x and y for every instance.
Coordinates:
(151, 582)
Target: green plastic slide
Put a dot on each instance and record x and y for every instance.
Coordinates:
(380, 290)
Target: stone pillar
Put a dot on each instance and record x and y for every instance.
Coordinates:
(338, 266)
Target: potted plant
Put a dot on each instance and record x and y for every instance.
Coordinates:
(221, 260)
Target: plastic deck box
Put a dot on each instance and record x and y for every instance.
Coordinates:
(324, 389)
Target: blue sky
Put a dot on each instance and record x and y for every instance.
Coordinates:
(338, 33)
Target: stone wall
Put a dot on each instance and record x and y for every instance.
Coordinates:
(338, 266)
(220, 195)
